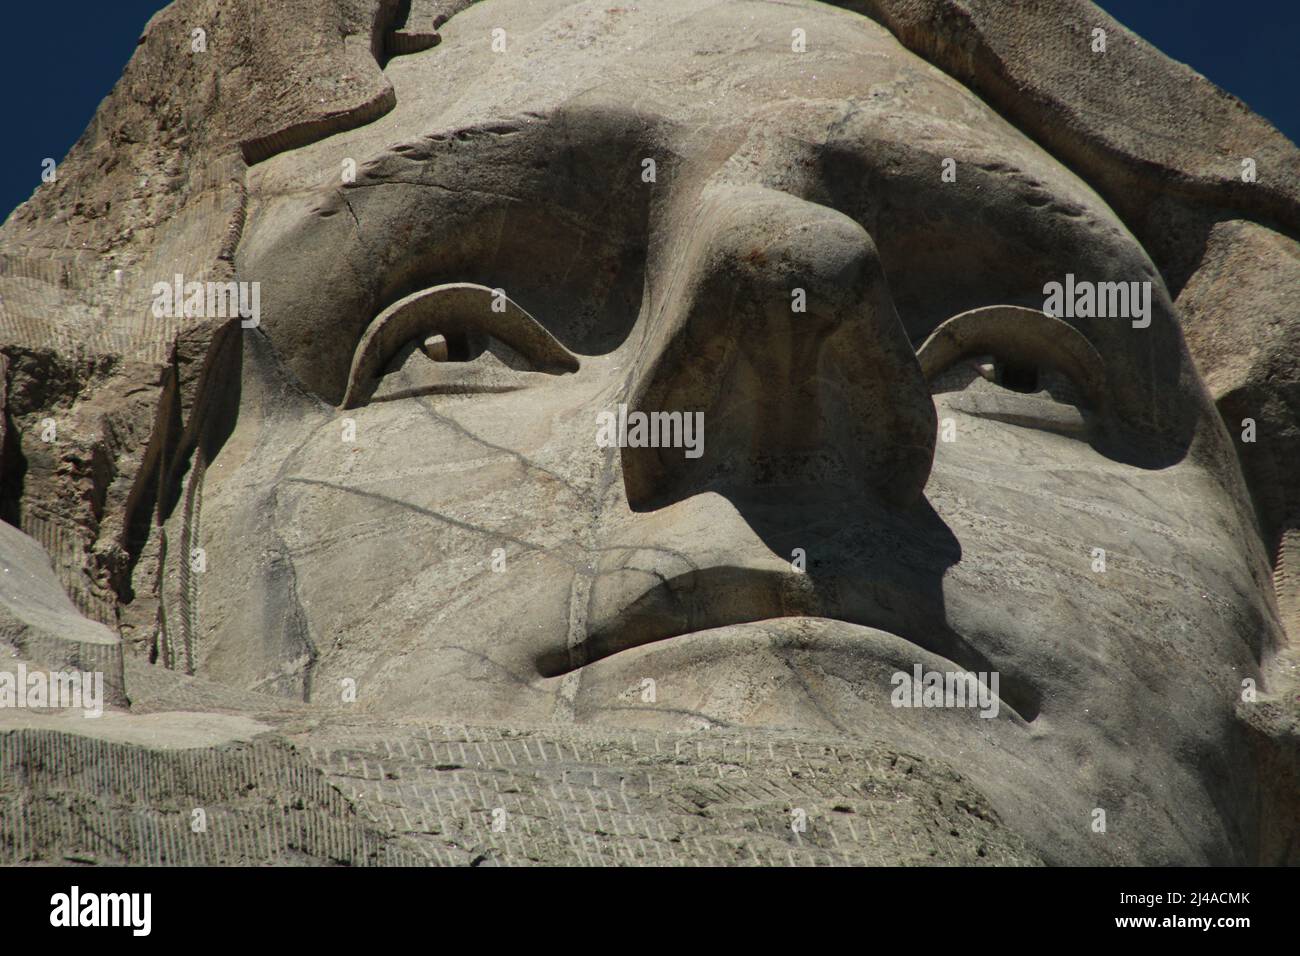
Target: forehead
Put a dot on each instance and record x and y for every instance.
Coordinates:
(798, 69)
(492, 136)
(801, 97)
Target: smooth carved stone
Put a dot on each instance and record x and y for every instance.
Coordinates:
(386, 506)
(457, 309)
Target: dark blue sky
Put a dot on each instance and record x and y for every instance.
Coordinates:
(56, 73)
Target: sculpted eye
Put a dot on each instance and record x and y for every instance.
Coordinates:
(456, 338)
(1017, 377)
(1015, 365)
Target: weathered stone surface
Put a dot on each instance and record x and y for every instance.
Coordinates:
(1253, 369)
(1149, 133)
(41, 624)
(453, 547)
(363, 794)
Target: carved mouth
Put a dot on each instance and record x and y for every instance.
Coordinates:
(705, 599)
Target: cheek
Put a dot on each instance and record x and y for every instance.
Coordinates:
(396, 534)
(1092, 572)
(452, 479)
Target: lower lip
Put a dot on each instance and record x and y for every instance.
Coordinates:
(862, 661)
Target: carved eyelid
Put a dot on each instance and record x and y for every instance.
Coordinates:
(1016, 334)
(455, 307)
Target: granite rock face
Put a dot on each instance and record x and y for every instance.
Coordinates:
(361, 551)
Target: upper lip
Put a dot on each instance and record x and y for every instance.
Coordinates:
(730, 592)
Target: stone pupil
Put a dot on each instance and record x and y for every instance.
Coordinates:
(1018, 378)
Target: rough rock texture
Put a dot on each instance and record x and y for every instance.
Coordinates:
(1252, 369)
(281, 785)
(41, 624)
(224, 164)
(1147, 132)
(361, 794)
(1164, 147)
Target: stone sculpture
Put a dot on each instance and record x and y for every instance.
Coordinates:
(323, 384)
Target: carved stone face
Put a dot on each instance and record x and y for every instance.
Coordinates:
(458, 544)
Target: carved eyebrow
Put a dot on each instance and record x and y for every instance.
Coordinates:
(389, 163)
(1020, 335)
(455, 307)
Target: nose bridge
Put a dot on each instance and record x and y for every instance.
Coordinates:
(785, 337)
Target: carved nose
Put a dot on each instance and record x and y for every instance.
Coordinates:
(783, 335)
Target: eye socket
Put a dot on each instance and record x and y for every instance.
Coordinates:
(1016, 365)
(452, 363)
(991, 375)
(1022, 350)
(477, 328)
(1018, 377)
(452, 347)
(461, 346)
